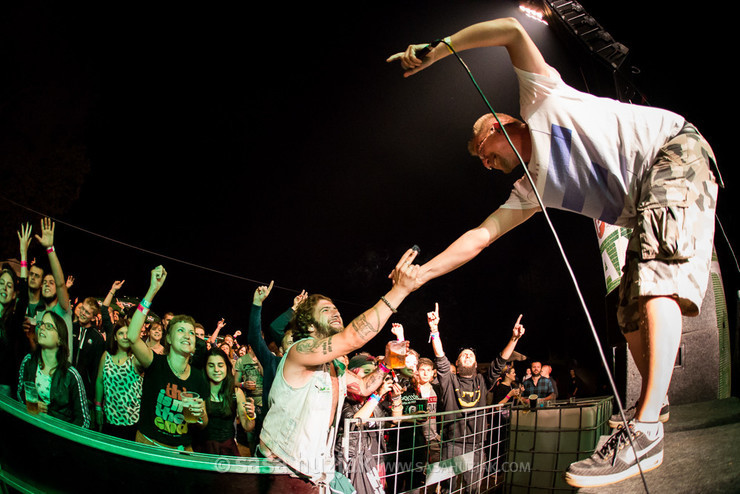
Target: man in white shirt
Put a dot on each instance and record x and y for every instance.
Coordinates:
(643, 168)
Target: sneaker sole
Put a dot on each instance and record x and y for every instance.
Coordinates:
(602, 480)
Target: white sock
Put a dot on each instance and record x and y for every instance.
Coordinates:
(652, 430)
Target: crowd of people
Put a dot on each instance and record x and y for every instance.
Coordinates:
(642, 168)
(167, 382)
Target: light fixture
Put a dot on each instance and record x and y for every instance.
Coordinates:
(584, 27)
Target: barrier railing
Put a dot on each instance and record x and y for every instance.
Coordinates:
(396, 455)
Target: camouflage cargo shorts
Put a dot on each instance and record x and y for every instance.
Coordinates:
(671, 245)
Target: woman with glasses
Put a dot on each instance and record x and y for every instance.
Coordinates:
(61, 392)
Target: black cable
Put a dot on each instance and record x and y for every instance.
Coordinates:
(562, 252)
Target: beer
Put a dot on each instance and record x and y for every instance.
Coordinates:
(32, 397)
(397, 355)
(190, 400)
(32, 407)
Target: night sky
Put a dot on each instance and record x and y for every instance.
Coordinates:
(239, 144)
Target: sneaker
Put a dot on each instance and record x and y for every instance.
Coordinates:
(616, 419)
(615, 460)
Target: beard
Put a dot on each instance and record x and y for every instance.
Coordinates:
(467, 371)
(325, 330)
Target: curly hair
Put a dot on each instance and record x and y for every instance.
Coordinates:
(303, 319)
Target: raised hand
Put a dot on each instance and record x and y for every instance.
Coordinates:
(405, 274)
(261, 293)
(24, 239)
(397, 329)
(47, 233)
(518, 330)
(433, 319)
(299, 298)
(159, 274)
(410, 59)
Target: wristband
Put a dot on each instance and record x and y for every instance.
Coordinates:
(251, 418)
(24, 264)
(374, 397)
(146, 303)
(143, 309)
(385, 301)
(98, 408)
(448, 44)
(382, 367)
(97, 404)
(433, 335)
(49, 250)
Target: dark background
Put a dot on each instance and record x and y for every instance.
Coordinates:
(240, 144)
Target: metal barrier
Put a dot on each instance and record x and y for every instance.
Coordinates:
(392, 455)
(548, 439)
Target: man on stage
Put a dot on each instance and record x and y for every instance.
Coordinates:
(643, 168)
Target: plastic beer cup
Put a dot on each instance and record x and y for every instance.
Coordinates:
(190, 399)
(32, 397)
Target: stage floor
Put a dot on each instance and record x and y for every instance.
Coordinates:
(701, 455)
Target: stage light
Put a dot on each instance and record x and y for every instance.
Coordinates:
(533, 13)
(584, 27)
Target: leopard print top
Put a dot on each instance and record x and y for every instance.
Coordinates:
(122, 391)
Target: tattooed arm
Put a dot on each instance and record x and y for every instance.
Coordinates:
(314, 351)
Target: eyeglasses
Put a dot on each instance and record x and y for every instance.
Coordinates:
(47, 326)
(494, 127)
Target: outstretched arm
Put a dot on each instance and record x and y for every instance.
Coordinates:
(277, 327)
(433, 320)
(254, 331)
(506, 32)
(498, 363)
(46, 239)
(472, 242)
(112, 292)
(140, 349)
(219, 325)
(516, 333)
(312, 351)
